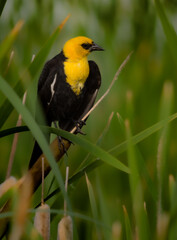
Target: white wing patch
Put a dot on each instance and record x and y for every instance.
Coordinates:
(52, 88)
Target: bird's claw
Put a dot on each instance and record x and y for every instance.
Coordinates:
(78, 130)
(79, 125)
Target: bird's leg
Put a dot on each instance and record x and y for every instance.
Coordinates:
(79, 124)
(60, 142)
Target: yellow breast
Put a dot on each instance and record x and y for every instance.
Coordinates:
(76, 73)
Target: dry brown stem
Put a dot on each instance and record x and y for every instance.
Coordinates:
(14, 144)
(108, 90)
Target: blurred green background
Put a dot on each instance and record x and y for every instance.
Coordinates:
(119, 26)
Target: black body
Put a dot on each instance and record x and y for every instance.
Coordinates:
(64, 105)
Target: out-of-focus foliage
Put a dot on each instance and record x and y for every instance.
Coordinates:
(140, 94)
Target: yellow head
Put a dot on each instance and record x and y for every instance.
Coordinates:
(79, 47)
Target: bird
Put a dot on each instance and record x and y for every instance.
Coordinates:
(68, 86)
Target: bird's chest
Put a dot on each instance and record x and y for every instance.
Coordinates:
(76, 74)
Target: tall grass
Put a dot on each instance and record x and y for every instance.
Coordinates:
(122, 182)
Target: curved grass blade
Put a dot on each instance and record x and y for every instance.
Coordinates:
(6, 107)
(85, 144)
(92, 148)
(35, 130)
(13, 130)
(142, 135)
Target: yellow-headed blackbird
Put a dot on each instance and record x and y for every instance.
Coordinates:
(68, 86)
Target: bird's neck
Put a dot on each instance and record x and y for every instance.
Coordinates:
(76, 72)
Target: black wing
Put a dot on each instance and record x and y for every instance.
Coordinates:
(51, 76)
(51, 68)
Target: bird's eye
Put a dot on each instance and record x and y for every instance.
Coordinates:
(86, 45)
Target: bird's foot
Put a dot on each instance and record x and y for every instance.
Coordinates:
(79, 125)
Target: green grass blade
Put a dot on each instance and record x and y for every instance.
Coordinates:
(172, 187)
(134, 178)
(35, 130)
(84, 143)
(6, 107)
(9, 40)
(136, 190)
(92, 148)
(103, 208)
(121, 122)
(89, 157)
(173, 218)
(77, 176)
(141, 165)
(162, 164)
(92, 203)
(13, 130)
(162, 161)
(92, 198)
(142, 135)
(128, 230)
(168, 29)
(152, 188)
(2, 5)
(105, 130)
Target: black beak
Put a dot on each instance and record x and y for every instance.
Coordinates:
(95, 47)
